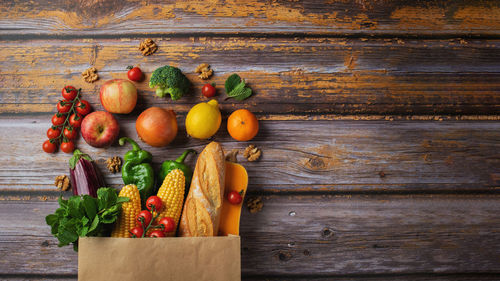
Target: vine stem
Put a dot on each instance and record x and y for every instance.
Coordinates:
(69, 113)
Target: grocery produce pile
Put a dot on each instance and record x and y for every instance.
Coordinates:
(174, 201)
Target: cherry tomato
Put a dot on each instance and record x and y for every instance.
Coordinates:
(49, 147)
(208, 90)
(234, 197)
(145, 216)
(70, 132)
(168, 224)
(136, 232)
(154, 201)
(135, 74)
(63, 106)
(67, 146)
(69, 93)
(157, 234)
(83, 107)
(58, 119)
(53, 132)
(75, 120)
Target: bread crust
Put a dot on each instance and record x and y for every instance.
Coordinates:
(201, 213)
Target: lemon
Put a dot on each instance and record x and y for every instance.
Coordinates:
(203, 120)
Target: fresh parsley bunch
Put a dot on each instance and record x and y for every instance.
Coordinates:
(85, 215)
(236, 87)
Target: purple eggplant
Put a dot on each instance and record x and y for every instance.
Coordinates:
(84, 175)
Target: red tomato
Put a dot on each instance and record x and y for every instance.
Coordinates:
(67, 146)
(154, 201)
(234, 197)
(144, 216)
(58, 119)
(135, 74)
(75, 120)
(70, 132)
(69, 92)
(83, 107)
(168, 224)
(136, 232)
(63, 106)
(208, 90)
(49, 147)
(157, 234)
(53, 132)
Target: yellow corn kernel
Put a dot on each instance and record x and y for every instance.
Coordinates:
(129, 212)
(171, 194)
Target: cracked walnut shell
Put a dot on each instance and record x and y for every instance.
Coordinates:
(252, 153)
(204, 70)
(148, 47)
(255, 205)
(113, 164)
(62, 182)
(90, 75)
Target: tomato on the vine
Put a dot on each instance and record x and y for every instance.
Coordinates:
(49, 146)
(156, 234)
(234, 197)
(63, 106)
(83, 107)
(154, 201)
(168, 224)
(208, 90)
(53, 132)
(67, 146)
(135, 74)
(69, 93)
(136, 232)
(144, 216)
(70, 133)
(75, 120)
(58, 119)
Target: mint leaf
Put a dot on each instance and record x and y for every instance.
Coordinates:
(90, 206)
(236, 88)
(231, 82)
(244, 94)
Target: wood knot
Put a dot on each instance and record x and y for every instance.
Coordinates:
(381, 174)
(45, 243)
(327, 233)
(284, 255)
(316, 163)
(307, 252)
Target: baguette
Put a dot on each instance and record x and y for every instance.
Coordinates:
(201, 213)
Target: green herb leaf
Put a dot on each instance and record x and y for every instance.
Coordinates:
(236, 88)
(94, 224)
(90, 206)
(244, 94)
(231, 82)
(122, 199)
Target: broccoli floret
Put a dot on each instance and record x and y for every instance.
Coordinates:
(171, 80)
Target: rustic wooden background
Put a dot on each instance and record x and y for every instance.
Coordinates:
(379, 126)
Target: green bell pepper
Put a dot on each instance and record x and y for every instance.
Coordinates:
(137, 169)
(170, 165)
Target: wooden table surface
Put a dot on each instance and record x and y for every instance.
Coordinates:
(379, 122)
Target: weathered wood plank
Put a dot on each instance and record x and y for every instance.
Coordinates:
(298, 156)
(111, 17)
(332, 235)
(289, 76)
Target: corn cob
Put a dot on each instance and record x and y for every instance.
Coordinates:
(129, 212)
(171, 194)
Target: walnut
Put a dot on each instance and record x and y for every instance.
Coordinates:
(114, 164)
(252, 153)
(62, 182)
(205, 71)
(254, 205)
(90, 75)
(231, 156)
(148, 47)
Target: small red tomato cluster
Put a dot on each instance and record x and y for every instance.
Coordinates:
(67, 120)
(146, 221)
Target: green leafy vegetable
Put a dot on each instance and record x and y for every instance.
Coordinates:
(170, 80)
(236, 87)
(85, 215)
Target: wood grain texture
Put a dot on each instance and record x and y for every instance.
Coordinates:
(293, 77)
(331, 17)
(332, 235)
(298, 156)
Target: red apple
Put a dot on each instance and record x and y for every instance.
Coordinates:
(118, 96)
(100, 129)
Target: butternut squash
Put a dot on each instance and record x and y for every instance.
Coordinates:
(237, 180)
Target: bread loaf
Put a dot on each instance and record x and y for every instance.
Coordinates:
(201, 213)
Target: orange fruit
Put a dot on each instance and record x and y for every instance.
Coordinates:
(242, 125)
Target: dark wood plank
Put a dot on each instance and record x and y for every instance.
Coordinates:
(111, 17)
(293, 77)
(344, 156)
(311, 235)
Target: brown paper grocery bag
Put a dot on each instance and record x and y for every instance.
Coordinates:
(174, 258)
